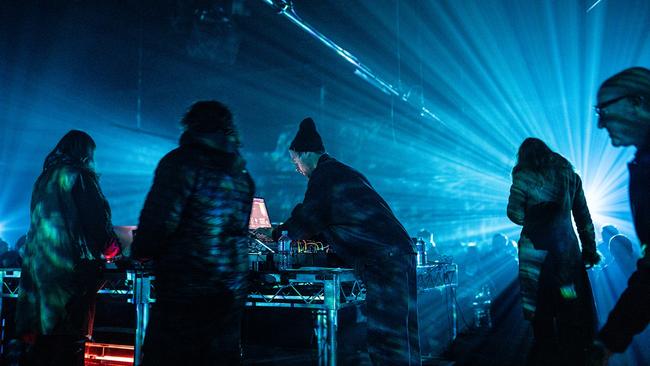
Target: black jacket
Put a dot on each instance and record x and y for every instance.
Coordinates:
(341, 206)
(70, 227)
(632, 311)
(544, 204)
(194, 223)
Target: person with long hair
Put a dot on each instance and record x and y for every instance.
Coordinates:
(556, 293)
(70, 227)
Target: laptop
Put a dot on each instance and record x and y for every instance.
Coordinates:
(125, 236)
(259, 215)
(259, 227)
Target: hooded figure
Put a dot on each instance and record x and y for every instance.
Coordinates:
(342, 207)
(556, 293)
(70, 227)
(194, 227)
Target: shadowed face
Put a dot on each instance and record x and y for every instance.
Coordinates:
(622, 115)
(302, 163)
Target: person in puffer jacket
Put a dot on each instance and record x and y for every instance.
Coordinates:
(194, 228)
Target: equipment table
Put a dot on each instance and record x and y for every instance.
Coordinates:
(323, 290)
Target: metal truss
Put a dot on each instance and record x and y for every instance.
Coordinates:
(303, 294)
(437, 276)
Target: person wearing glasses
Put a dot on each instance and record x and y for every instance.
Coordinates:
(624, 111)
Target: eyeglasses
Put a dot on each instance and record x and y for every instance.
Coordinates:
(600, 108)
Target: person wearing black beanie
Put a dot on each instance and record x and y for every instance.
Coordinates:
(307, 139)
(342, 207)
(306, 148)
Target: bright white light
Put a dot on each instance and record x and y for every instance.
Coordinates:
(594, 5)
(597, 204)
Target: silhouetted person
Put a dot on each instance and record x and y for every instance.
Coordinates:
(500, 261)
(557, 296)
(613, 278)
(194, 227)
(601, 277)
(472, 268)
(613, 281)
(13, 348)
(342, 206)
(70, 227)
(606, 233)
(623, 254)
(4, 246)
(502, 247)
(624, 111)
(14, 257)
(499, 242)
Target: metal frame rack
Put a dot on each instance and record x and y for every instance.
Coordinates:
(323, 290)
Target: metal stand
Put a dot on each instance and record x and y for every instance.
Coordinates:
(2, 335)
(332, 306)
(454, 314)
(136, 286)
(321, 336)
(141, 299)
(325, 291)
(441, 276)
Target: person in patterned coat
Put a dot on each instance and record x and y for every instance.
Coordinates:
(194, 228)
(62, 265)
(556, 293)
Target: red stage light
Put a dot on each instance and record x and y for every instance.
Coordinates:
(104, 354)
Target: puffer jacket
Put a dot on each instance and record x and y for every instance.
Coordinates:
(195, 219)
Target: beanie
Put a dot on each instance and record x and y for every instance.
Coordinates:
(307, 138)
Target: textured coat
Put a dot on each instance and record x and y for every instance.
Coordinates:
(556, 293)
(543, 204)
(194, 226)
(194, 223)
(341, 206)
(70, 226)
